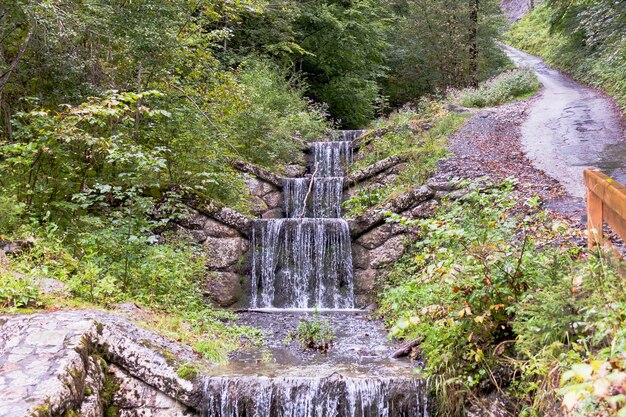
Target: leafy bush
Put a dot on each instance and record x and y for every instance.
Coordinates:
(274, 115)
(11, 210)
(419, 134)
(314, 334)
(512, 85)
(16, 291)
(498, 305)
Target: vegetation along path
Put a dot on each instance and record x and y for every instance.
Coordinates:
(570, 127)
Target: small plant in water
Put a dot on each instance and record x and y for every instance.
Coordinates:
(314, 334)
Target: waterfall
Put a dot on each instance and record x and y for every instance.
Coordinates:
(324, 200)
(328, 158)
(348, 135)
(305, 261)
(301, 263)
(333, 396)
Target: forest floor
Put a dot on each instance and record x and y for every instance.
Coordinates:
(490, 145)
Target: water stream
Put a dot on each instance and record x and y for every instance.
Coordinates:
(300, 263)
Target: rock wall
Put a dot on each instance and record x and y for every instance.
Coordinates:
(223, 233)
(91, 363)
(376, 244)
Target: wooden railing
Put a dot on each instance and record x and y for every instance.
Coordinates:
(606, 203)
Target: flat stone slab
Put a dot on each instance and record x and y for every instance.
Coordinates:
(49, 361)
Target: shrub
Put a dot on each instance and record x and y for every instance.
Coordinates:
(314, 334)
(16, 291)
(512, 85)
(12, 211)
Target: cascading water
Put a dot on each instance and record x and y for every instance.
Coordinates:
(315, 397)
(301, 262)
(324, 200)
(305, 262)
(329, 158)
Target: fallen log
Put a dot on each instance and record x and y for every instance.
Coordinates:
(374, 169)
(259, 172)
(405, 349)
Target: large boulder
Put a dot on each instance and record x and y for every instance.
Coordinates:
(390, 251)
(55, 362)
(224, 252)
(224, 288)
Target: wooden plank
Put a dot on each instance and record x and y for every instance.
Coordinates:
(594, 219)
(615, 221)
(611, 192)
(606, 202)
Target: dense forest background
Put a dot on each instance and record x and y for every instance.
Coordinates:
(158, 94)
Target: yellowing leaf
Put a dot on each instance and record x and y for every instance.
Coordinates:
(601, 388)
(571, 399)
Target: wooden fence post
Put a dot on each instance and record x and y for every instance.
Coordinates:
(594, 219)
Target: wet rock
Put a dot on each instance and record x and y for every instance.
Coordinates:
(390, 251)
(276, 213)
(52, 286)
(222, 253)
(364, 280)
(136, 398)
(273, 199)
(360, 256)
(224, 288)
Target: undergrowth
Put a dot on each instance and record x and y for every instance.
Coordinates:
(516, 84)
(313, 333)
(419, 134)
(116, 260)
(504, 301)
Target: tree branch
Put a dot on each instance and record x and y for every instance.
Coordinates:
(4, 78)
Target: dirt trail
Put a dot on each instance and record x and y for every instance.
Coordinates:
(570, 127)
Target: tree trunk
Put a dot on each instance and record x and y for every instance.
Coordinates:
(473, 42)
(4, 78)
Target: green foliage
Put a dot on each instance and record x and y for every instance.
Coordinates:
(584, 38)
(517, 84)
(314, 333)
(491, 295)
(275, 115)
(16, 291)
(430, 47)
(419, 134)
(187, 371)
(12, 211)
